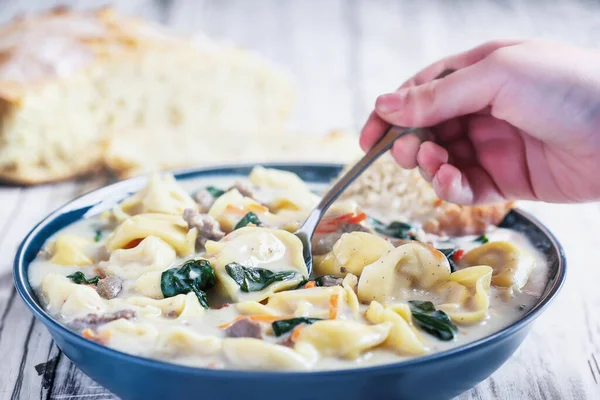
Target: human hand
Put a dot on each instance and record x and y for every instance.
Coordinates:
(518, 120)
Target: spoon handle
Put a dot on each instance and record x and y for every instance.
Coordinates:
(382, 145)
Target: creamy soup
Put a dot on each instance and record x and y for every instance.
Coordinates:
(212, 276)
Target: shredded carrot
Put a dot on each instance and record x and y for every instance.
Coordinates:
(326, 229)
(98, 338)
(437, 203)
(357, 218)
(296, 332)
(343, 218)
(100, 273)
(235, 209)
(458, 254)
(257, 208)
(255, 318)
(337, 220)
(310, 284)
(330, 225)
(333, 306)
(133, 243)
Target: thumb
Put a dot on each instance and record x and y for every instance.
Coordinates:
(465, 91)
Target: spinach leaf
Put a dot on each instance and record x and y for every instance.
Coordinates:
(193, 276)
(252, 279)
(432, 321)
(449, 253)
(396, 229)
(214, 191)
(249, 218)
(483, 239)
(284, 326)
(79, 278)
(98, 236)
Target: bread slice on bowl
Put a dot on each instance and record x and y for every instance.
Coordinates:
(71, 79)
(406, 193)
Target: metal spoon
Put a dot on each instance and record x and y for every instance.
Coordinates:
(307, 230)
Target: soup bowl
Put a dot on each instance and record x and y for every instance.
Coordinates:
(436, 376)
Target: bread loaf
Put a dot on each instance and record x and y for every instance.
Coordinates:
(72, 80)
(403, 192)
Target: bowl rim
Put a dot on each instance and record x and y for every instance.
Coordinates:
(27, 294)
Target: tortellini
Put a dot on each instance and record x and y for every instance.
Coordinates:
(315, 302)
(288, 192)
(70, 250)
(231, 207)
(181, 306)
(512, 266)
(270, 249)
(152, 254)
(403, 336)
(148, 284)
(412, 265)
(161, 195)
(255, 354)
(183, 341)
(131, 337)
(70, 299)
(339, 338)
(351, 253)
(292, 200)
(276, 179)
(170, 228)
(467, 294)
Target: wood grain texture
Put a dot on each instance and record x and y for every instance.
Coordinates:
(344, 54)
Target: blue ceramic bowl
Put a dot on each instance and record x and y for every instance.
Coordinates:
(436, 376)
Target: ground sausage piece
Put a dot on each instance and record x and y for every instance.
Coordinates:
(244, 189)
(244, 328)
(356, 228)
(109, 287)
(329, 281)
(95, 319)
(204, 199)
(208, 227)
(323, 244)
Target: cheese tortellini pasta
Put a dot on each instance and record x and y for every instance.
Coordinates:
(223, 283)
(344, 339)
(151, 254)
(273, 250)
(403, 337)
(69, 299)
(410, 266)
(70, 250)
(162, 195)
(511, 265)
(351, 253)
(170, 228)
(468, 294)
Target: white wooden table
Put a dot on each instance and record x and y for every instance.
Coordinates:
(344, 53)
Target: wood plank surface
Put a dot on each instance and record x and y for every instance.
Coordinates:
(343, 54)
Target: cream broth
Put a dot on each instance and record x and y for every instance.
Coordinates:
(178, 329)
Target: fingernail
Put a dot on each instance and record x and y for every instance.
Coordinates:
(388, 103)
